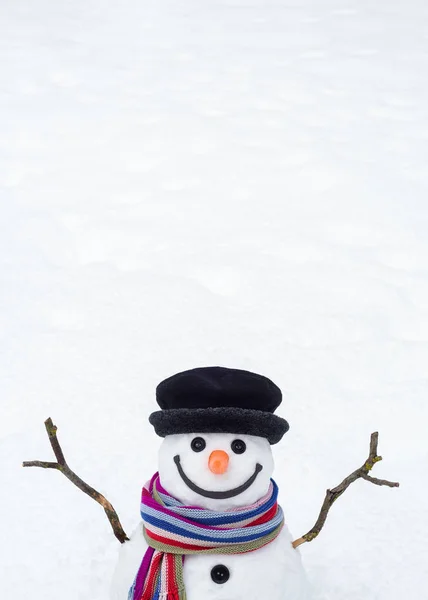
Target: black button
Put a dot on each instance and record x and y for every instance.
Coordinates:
(220, 574)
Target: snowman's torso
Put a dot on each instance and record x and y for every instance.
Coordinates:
(273, 572)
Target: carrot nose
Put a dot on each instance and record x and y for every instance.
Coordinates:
(218, 462)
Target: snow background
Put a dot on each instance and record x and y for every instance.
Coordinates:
(228, 182)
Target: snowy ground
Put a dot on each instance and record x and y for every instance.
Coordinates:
(186, 183)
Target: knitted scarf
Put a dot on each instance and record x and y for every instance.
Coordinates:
(172, 530)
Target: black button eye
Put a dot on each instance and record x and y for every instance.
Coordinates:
(220, 574)
(238, 446)
(198, 444)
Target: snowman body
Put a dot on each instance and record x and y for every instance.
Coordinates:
(212, 467)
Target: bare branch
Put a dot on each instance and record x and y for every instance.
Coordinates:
(374, 439)
(51, 430)
(40, 463)
(377, 481)
(62, 466)
(333, 494)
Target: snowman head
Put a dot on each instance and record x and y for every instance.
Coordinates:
(217, 471)
(218, 425)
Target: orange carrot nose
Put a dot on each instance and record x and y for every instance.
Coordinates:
(218, 462)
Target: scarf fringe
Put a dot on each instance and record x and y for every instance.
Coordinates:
(173, 595)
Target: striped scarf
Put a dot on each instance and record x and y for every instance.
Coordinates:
(173, 530)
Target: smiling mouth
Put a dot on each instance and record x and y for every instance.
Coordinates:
(216, 495)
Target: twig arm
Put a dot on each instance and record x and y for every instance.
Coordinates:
(62, 466)
(333, 494)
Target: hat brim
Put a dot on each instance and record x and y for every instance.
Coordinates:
(219, 420)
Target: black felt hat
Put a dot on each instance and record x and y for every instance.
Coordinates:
(219, 400)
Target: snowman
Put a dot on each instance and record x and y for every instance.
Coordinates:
(211, 527)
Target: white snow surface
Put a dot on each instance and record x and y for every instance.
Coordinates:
(227, 183)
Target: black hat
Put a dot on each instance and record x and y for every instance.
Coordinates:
(219, 400)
